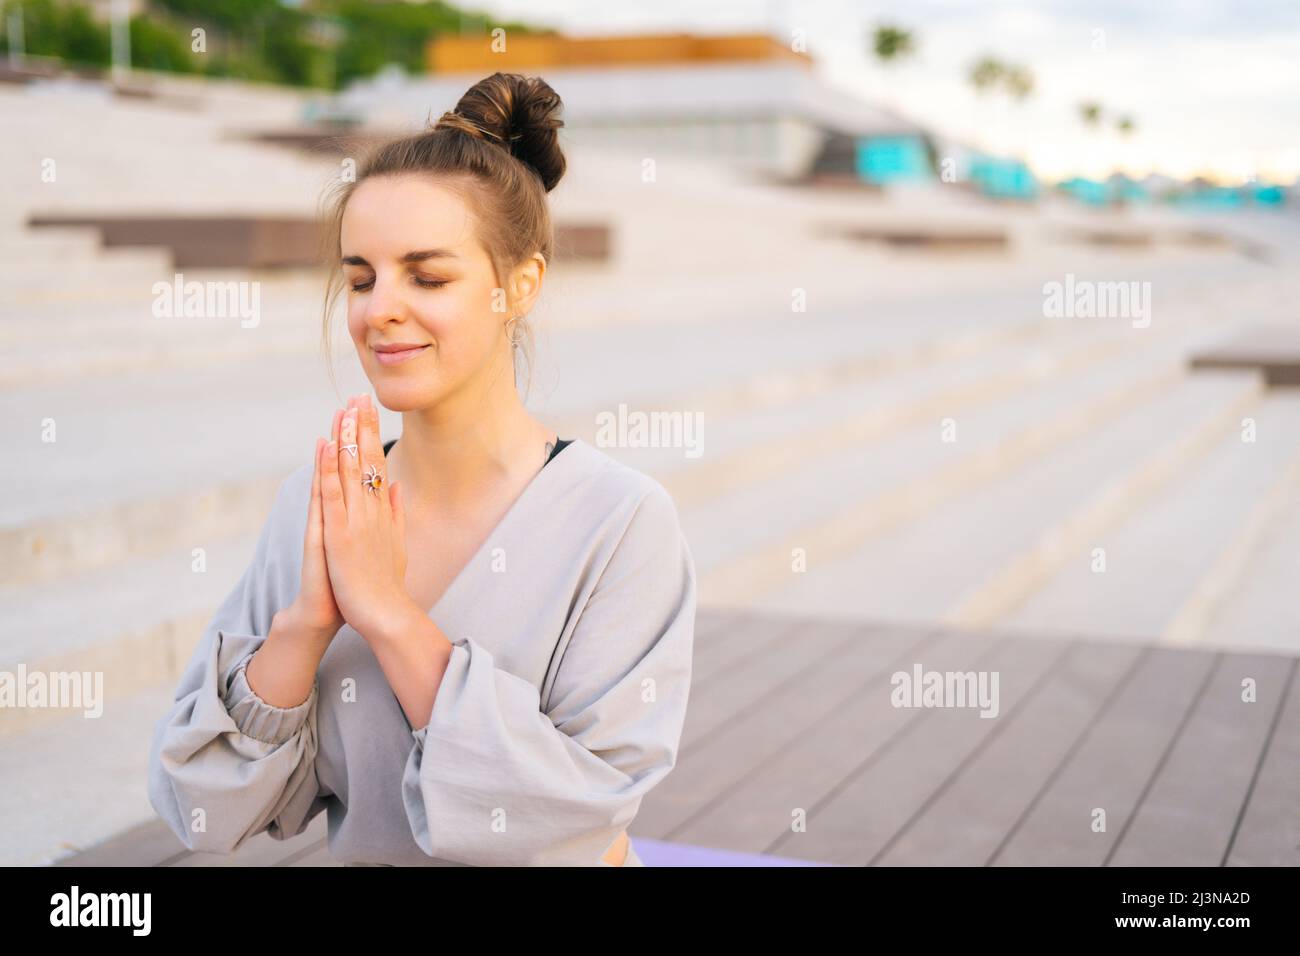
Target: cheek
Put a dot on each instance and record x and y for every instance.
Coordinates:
(456, 320)
(356, 321)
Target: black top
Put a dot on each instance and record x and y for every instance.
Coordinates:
(559, 447)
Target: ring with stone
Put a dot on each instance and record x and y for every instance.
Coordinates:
(372, 479)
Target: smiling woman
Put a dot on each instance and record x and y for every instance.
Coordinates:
(478, 179)
(472, 644)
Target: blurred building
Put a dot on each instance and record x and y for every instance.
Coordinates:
(746, 98)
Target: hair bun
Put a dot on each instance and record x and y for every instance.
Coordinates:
(518, 113)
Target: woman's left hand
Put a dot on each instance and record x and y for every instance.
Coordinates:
(365, 528)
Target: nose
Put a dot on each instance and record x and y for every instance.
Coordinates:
(386, 301)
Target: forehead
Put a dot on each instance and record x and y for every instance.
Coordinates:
(391, 215)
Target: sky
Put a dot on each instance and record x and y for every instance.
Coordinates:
(1213, 88)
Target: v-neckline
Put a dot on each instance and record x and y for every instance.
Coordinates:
(515, 506)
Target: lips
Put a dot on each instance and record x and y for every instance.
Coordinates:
(395, 354)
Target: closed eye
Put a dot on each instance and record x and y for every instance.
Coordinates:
(422, 283)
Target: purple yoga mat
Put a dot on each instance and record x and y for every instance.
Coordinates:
(659, 853)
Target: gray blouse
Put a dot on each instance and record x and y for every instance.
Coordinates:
(561, 707)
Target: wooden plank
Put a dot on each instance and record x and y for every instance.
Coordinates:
(153, 844)
(968, 820)
(1191, 808)
(264, 849)
(149, 844)
(776, 650)
(723, 643)
(1269, 831)
(755, 818)
(878, 798)
(1110, 768)
(320, 856)
(730, 646)
(791, 712)
(723, 762)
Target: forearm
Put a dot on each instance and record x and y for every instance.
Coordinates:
(283, 669)
(413, 653)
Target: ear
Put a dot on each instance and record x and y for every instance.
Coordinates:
(526, 283)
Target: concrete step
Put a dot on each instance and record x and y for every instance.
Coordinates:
(48, 244)
(782, 441)
(131, 625)
(264, 319)
(74, 782)
(776, 352)
(139, 470)
(1252, 604)
(117, 267)
(851, 400)
(930, 568)
(103, 490)
(1158, 555)
(893, 480)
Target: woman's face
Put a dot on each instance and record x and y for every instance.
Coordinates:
(416, 276)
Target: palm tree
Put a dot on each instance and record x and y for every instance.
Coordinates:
(892, 43)
(1090, 112)
(986, 73)
(990, 73)
(1019, 82)
(1126, 125)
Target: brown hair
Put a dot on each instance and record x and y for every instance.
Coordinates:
(499, 149)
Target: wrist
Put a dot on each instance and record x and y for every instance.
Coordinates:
(293, 623)
(400, 620)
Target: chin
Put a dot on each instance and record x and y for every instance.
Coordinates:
(395, 397)
(403, 396)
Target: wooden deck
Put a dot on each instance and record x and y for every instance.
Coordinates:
(791, 714)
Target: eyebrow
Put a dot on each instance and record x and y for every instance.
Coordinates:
(420, 255)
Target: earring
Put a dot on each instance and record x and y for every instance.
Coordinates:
(510, 333)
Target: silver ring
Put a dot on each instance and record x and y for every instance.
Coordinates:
(372, 479)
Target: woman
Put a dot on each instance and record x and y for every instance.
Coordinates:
(471, 645)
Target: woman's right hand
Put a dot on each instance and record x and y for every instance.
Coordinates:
(314, 610)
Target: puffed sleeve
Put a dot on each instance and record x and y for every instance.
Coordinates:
(494, 781)
(221, 749)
